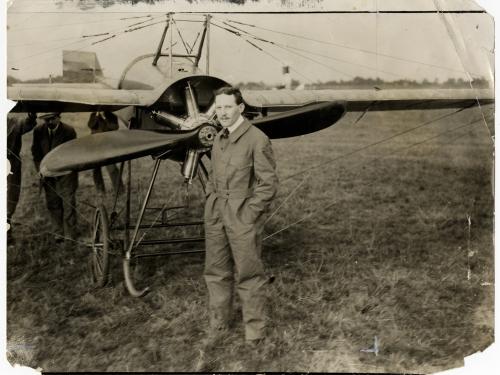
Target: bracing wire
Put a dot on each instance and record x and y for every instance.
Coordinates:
(186, 47)
(287, 47)
(468, 75)
(38, 233)
(59, 195)
(53, 25)
(343, 156)
(350, 48)
(324, 208)
(260, 49)
(427, 123)
(117, 31)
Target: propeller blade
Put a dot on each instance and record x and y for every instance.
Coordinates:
(107, 148)
(300, 121)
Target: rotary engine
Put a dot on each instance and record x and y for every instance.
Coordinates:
(185, 115)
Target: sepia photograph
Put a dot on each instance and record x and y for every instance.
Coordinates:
(249, 186)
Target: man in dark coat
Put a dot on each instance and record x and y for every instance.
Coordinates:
(241, 186)
(15, 130)
(100, 122)
(59, 191)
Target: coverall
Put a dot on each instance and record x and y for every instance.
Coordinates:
(59, 191)
(242, 183)
(100, 124)
(15, 130)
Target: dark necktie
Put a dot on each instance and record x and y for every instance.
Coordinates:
(51, 136)
(225, 133)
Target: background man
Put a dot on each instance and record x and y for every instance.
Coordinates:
(100, 122)
(59, 191)
(15, 130)
(242, 184)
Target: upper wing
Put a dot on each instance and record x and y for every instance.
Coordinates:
(375, 99)
(106, 148)
(87, 97)
(84, 98)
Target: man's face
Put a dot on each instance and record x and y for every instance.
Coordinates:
(227, 110)
(52, 122)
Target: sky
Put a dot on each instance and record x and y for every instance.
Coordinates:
(323, 46)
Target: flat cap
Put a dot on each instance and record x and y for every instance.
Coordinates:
(49, 115)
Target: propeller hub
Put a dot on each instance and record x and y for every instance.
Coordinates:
(206, 135)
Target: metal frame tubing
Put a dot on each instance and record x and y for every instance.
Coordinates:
(128, 255)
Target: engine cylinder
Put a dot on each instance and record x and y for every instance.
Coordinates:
(190, 165)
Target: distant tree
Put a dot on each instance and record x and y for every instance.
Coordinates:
(11, 80)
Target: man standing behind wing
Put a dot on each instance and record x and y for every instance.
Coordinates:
(242, 183)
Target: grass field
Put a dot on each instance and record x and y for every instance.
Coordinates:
(392, 240)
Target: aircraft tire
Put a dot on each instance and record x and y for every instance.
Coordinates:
(99, 257)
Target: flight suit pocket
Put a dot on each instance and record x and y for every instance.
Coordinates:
(249, 215)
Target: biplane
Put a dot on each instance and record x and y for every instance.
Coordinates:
(172, 117)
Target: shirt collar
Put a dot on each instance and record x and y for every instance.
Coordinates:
(241, 129)
(52, 131)
(233, 127)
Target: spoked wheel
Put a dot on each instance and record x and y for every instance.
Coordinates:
(100, 247)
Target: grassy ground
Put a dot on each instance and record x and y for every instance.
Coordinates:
(392, 240)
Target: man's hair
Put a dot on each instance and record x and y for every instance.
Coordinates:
(228, 90)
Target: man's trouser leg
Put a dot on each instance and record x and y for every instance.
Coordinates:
(66, 187)
(98, 180)
(13, 188)
(116, 180)
(54, 205)
(246, 239)
(69, 210)
(218, 267)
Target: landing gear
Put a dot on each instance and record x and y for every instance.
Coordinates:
(99, 257)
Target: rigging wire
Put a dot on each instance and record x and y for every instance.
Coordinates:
(180, 36)
(54, 25)
(426, 123)
(54, 190)
(237, 34)
(38, 233)
(194, 43)
(468, 75)
(296, 53)
(285, 46)
(324, 208)
(141, 22)
(85, 38)
(350, 48)
(306, 178)
(135, 17)
(47, 41)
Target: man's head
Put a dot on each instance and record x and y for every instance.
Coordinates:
(51, 119)
(228, 105)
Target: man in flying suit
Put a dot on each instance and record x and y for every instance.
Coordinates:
(241, 185)
(59, 191)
